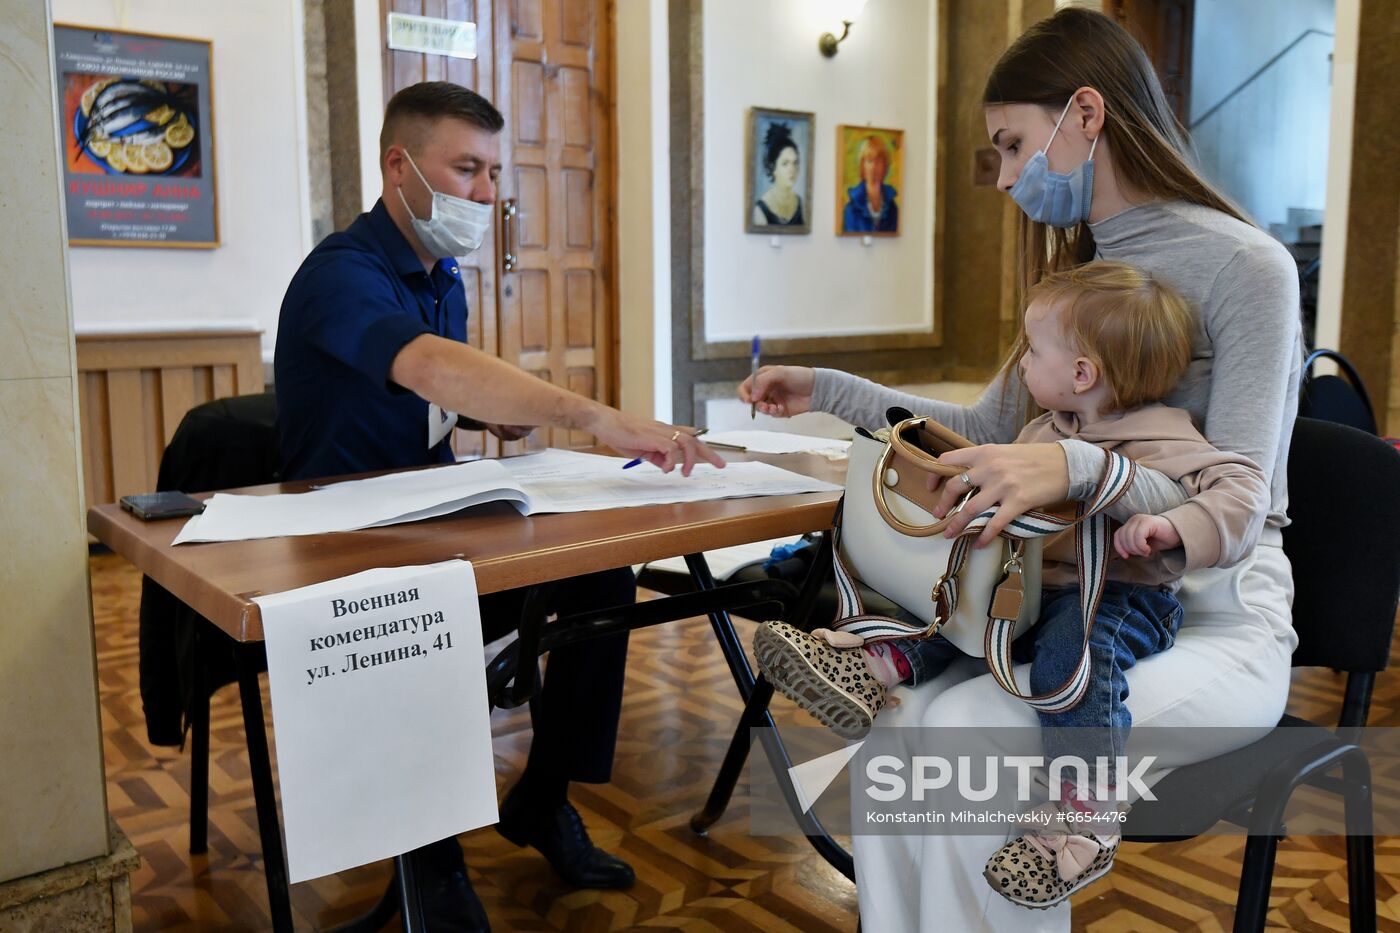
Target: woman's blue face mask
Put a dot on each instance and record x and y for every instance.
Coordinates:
(1059, 199)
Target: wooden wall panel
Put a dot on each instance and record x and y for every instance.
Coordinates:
(533, 187)
(527, 20)
(527, 79)
(578, 205)
(578, 306)
(573, 29)
(135, 388)
(534, 310)
(578, 125)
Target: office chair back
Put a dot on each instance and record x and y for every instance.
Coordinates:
(1334, 398)
(222, 444)
(1343, 541)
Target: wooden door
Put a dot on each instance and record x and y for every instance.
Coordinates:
(556, 307)
(1164, 29)
(479, 272)
(547, 66)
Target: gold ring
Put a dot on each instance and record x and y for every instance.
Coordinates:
(675, 436)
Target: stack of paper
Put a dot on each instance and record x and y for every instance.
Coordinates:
(552, 481)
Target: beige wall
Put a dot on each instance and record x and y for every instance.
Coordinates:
(643, 211)
(53, 808)
(1339, 142)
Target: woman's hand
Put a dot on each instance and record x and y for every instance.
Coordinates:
(1017, 477)
(1145, 535)
(780, 391)
(663, 445)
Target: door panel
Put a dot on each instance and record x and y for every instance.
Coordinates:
(479, 272)
(547, 66)
(1164, 28)
(556, 311)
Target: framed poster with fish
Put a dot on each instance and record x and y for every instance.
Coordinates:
(137, 128)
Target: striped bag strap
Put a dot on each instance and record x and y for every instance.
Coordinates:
(1093, 531)
(1092, 537)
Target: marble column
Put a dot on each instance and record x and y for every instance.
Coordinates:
(53, 806)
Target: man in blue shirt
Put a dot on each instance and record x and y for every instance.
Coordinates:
(371, 365)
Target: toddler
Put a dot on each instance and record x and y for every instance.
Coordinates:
(1102, 343)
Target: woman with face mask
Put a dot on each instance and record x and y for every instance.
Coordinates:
(1091, 153)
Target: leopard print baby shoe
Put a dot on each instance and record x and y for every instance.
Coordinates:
(834, 684)
(1041, 869)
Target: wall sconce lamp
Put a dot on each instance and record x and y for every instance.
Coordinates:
(850, 9)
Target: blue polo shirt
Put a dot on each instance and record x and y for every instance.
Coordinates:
(356, 300)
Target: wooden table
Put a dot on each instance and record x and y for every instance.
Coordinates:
(219, 580)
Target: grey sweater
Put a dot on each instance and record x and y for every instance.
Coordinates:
(1241, 387)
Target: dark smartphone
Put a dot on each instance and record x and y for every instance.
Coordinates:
(152, 506)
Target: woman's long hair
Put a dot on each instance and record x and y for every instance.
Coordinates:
(1077, 48)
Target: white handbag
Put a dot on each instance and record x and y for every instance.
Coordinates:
(978, 599)
(893, 544)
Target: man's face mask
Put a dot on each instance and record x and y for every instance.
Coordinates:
(1055, 198)
(457, 226)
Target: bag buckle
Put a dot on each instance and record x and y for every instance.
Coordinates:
(1010, 594)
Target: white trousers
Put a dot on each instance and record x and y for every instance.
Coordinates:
(1229, 667)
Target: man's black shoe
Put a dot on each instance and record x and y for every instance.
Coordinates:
(449, 903)
(558, 833)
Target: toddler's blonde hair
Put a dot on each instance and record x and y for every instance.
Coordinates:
(1135, 327)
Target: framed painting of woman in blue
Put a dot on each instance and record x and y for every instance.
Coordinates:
(870, 173)
(778, 189)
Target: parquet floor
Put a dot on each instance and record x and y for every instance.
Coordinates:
(678, 716)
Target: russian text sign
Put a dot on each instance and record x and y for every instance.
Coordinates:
(408, 33)
(379, 714)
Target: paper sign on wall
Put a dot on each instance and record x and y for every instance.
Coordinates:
(450, 37)
(379, 714)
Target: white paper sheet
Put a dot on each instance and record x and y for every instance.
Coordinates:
(383, 743)
(569, 481)
(551, 481)
(781, 442)
(383, 500)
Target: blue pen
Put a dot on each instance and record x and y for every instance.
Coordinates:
(753, 379)
(631, 463)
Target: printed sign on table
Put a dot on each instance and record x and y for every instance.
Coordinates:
(379, 714)
(136, 124)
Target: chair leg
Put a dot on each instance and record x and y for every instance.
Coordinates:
(1361, 854)
(1255, 881)
(410, 904)
(199, 757)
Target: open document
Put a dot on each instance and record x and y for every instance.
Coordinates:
(551, 481)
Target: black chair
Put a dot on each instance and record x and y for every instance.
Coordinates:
(1333, 398)
(1344, 507)
(793, 569)
(223, 444)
